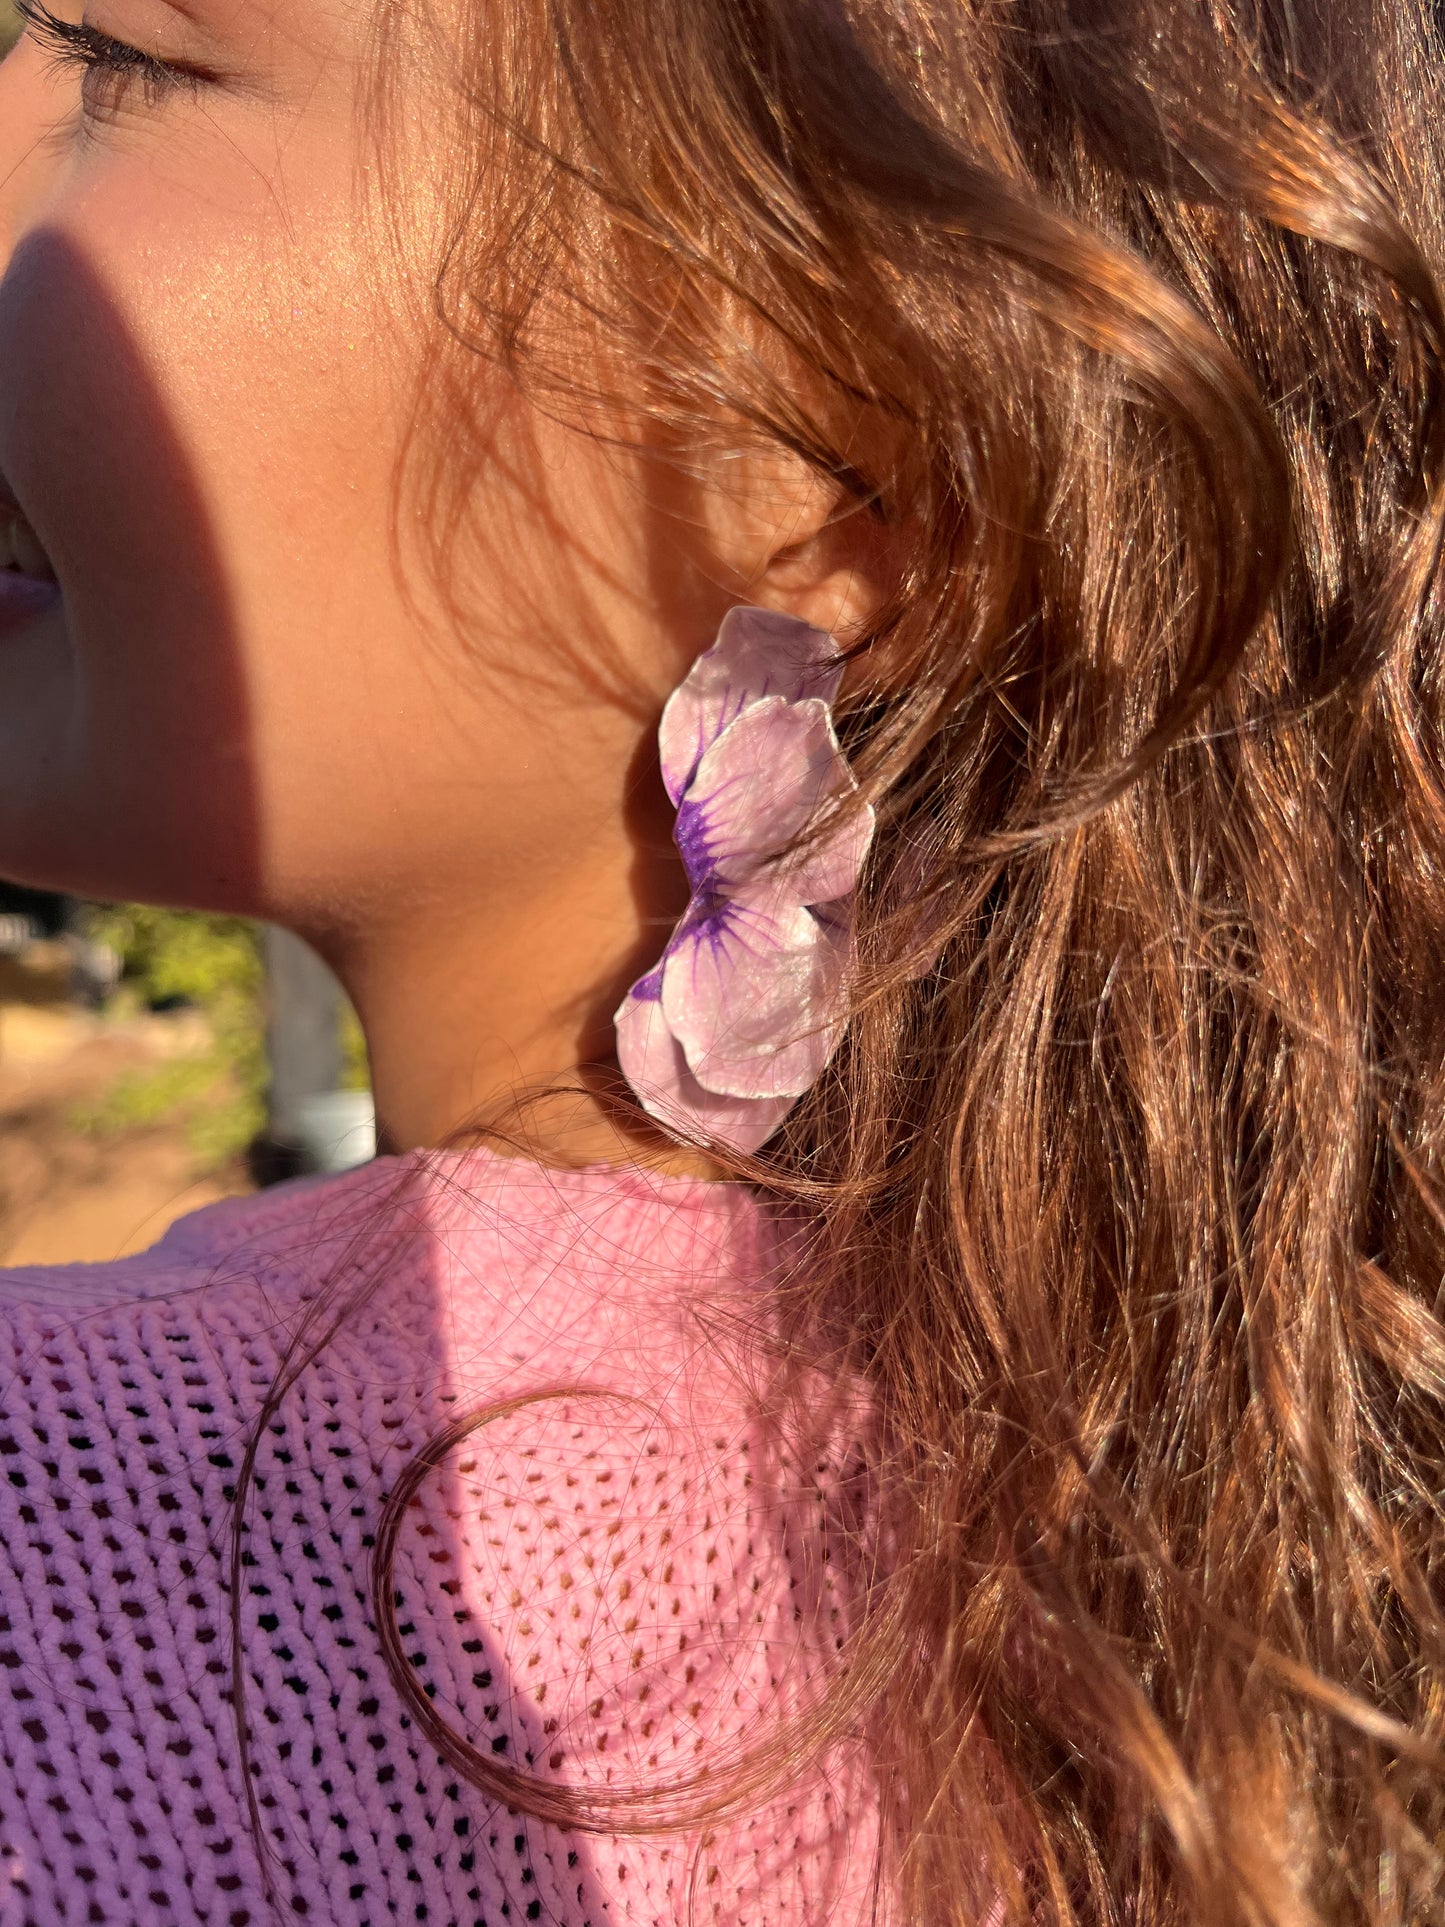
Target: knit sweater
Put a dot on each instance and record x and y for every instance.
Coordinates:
(633, 1570)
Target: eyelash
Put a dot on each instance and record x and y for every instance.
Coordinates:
(110, 66)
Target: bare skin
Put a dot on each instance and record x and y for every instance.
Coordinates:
(243, 693)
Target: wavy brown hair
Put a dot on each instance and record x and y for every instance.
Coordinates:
(1123, 316)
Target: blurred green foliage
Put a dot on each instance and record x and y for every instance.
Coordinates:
(210, 961)
(213, 965)
(9, 25)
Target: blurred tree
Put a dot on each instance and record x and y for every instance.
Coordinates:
(217, 966)
(211, 964)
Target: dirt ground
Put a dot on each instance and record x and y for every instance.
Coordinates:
(69, 1194)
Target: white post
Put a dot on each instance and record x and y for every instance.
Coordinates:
(311, 1119)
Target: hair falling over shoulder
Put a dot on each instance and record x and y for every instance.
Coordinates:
(1127, 314)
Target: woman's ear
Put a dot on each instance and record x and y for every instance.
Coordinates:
(788, 538)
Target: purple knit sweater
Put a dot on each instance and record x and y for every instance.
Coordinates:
(618, 1582)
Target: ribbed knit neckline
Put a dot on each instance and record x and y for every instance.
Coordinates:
(479, 1170)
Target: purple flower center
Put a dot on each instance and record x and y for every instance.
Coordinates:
(694, 846)
(648, 989)
(706, 915)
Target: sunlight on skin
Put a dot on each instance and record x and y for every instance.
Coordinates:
(246, 698)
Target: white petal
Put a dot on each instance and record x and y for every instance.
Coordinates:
(758, 653)
(653, 1063)
(828, 870)
(645, 1048)
(755, 995)
(758, 787)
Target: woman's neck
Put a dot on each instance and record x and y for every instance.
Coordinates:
(495, 1016)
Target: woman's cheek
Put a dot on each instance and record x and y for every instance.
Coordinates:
(128, 735)
(196, 449)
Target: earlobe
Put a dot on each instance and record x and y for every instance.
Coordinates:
(773, 532)
(802, 544)
(841, 599)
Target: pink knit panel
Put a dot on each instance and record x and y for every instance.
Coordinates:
(641, 1573)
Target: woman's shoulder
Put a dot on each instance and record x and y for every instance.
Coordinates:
(613, 1571)
(191, 1248)
(505, 1258)
(274, 1239)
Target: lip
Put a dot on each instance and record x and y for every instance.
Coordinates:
(22, 597)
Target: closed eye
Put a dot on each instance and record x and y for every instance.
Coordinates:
(111, 67)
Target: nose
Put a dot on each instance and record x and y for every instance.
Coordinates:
(33, 119)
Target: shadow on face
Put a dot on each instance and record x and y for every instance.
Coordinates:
(125, 765)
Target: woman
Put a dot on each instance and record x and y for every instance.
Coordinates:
(893, 1369)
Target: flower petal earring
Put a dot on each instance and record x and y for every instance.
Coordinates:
(749, 1000)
